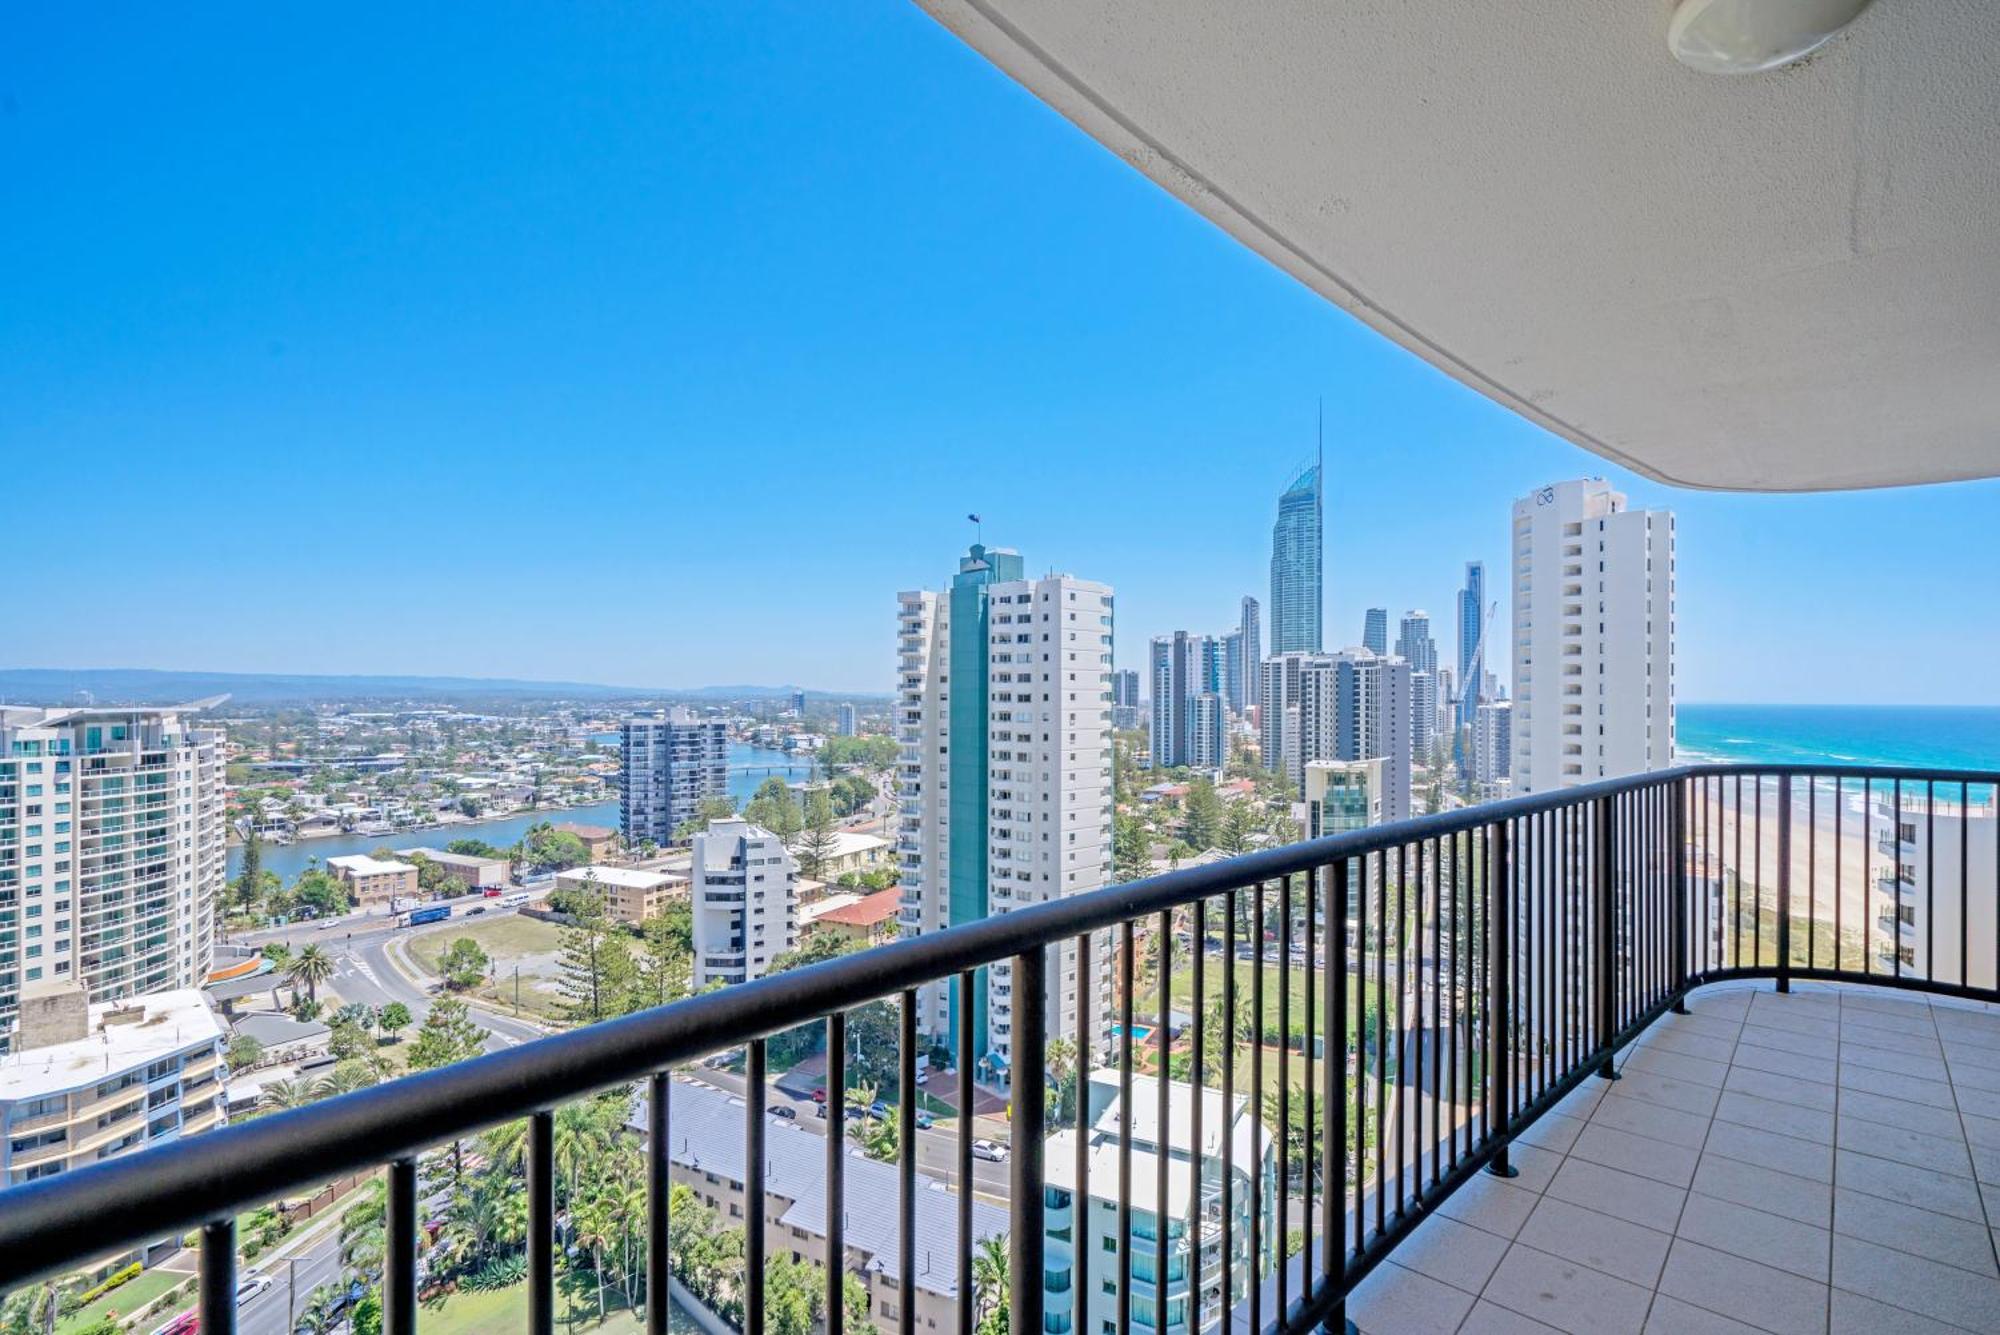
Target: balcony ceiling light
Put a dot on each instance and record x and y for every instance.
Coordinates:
(1745, 36)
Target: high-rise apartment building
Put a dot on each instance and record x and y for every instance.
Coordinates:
(1004, 715)
(1353, 705)
(1472, 646)
(1279, 735)
(1236, 689)
(112, 851)
(1250, 645)
(799, 703)
(1342, 795)
(1173, 675)
(1375, 630)
(1492, 743)
(1125, 687)
(744, 887)
(1423, 717)
(668, 762)
(1593, 637)
(1297, 573)
(1414, 643)
(848, 723)
(1208, 731)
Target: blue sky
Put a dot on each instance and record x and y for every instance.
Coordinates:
(663, 344)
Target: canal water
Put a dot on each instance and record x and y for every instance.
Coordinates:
(749, 766)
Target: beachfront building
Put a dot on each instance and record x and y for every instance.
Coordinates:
(1931, 859)
(746, 901)
(88, 1081)
(630, 895)
(371, 880)
(112, 851)
(1004, 716)
(668, 762)
(707, 1156)
(1297, 569)
(1194, 1184)
(1593, 637)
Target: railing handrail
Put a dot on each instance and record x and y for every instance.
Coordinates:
(48, 1224)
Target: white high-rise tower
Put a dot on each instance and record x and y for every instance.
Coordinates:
(1593, 637)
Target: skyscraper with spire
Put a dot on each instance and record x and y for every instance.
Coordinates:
(1297, 571)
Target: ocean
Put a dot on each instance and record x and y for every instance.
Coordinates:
(1926, 736)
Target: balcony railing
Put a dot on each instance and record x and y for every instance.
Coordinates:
(1495, 957)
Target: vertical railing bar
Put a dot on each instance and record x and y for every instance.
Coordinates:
(968, 1103)
(1257, 1200)
(1930, 881)
(1784, 880)
(542, 1223)
(217, 1266)
(1812, 867)
(1081, 1223)
(1402, 1030)
(1757, 913)
(1436, 885)
(1228, 1130)
(1308, 1160)
(1162, 1036)
(1607, 907)
(1030, 1089)
(1499, 969)
(754, 1204)
(1867, 880)
(1896, 873)
(1127, 967)
(906, 1163)
(1964, 897)
(1198, 1087)
(399, 1271)
(1382, 1122)
(835, 1108)
(1283, 1199)
(1839, 857)
(1333, 1187)
(659, 1203)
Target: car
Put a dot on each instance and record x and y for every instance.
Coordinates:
(250, 1285)
(923, 1077)
(783, 1110)
(855, 1112)
(475, 910)
(819, 1094)
(184, 1323)
(819, 1111)
(990, 1150)
(925, 1121)
(492, 892)
(879, 1109)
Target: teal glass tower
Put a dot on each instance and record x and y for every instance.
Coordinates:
(1296, 570)
(967, 895)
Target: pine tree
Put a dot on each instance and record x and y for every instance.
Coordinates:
(820, 841)
(595, 965)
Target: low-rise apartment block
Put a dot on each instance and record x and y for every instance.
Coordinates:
(474, 873)
(371, 880)
(630, 896)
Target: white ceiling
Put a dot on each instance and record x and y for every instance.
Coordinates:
(1781, 281)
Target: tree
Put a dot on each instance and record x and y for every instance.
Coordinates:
(706, 812)
(320, 892)
(282, 1094)
(244, 1052)
(395, 1018)
(1202, 815)
(774, 808)
(595, 971)
(877, 1136)
(473, 848)
(355, 1013)
(321, 1314)
(250, 881)
(666, 959)
(991, 1282)
(1129, 854)
(1239, 823)
(308, 969)
(463, 964)
(348, 1040)
(789, 1289)
(448, 1035)
(819, 840)
(545, 848)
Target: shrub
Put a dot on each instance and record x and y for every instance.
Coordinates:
(108, 1283)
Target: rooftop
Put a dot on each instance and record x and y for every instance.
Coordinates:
(166, 1022)
(1824, 1160)
(854, 910)
(625, 878)
(360, 864)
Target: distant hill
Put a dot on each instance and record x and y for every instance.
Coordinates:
(54, 686)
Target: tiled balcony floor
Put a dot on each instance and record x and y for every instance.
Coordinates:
(1824, 1161)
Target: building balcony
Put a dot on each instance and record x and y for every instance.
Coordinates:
(1765, 1157)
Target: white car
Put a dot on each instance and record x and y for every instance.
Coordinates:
(990, 1150)
(250, 1286)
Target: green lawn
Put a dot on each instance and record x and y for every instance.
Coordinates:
(507, 1309)
(127, 1298)
(507, 941)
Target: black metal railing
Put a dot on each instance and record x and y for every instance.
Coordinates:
(1417, 994)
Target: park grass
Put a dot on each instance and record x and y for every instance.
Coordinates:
(476, 1313)
(506, 940)
(129, 1297)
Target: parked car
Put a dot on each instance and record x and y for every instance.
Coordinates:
(925, 1121)
(819, 1111)
(819, 1094)
(250, 1285)
(783, 1110)
(492, 892)
(879, 1110)
(990, 1150)
(924, 1077)
(185, 1323)
(475, 910)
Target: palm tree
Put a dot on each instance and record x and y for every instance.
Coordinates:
(281, 1094)
(346, 1078)
(322, 1310)
(311, 967)
(990, 1276)
(595, 1229)
(363, 1242)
